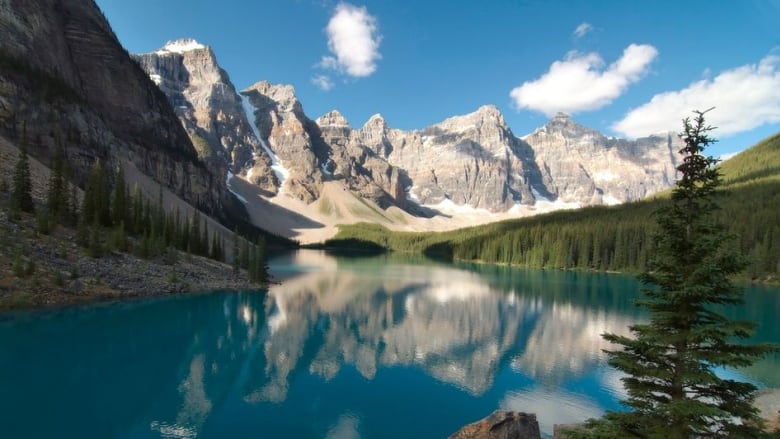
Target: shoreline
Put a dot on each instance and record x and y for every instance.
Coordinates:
(116, 277)
(48, 271)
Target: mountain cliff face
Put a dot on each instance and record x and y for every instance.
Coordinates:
(66, 79)
(582, 165)
(287, 132)
(208, 107)
(475, 160)
(312, 152)
(364, 170)
(472, 161)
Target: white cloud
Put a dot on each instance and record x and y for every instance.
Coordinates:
(353, 39)
(580, 82)
(323, 82)
(582, 29)
(744, 98)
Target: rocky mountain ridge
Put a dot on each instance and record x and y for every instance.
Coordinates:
(577, 162)
(66, 80)
(471, 161)
(208, 107)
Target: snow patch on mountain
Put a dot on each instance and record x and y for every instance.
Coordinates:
(230, 188)
(446, 205)
(180, 46)
(544, 204)
(280, 171)
(609, 200)
(605, 176)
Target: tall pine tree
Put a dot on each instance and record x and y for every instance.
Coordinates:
(57, 195)
(119, 205)
(673, 390)
(235, 259)
(96, 203)
(21, 196)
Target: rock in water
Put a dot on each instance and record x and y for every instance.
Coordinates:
(501, 424)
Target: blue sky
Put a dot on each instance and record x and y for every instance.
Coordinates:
(626, 68)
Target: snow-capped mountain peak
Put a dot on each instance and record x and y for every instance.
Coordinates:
(180, 46)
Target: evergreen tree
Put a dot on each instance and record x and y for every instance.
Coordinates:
(215, 247)
(256, 269)
(119, 237)
(95, 248)
(21, 196)
(204, 240)
(170, 227)
(193, 244)
(82, 231)
(72, 206)
(236, 258)
(252, 269)
(136, 213)
(184, 232)
(119, 208)
(244, 254)
(45, 223)
(672, 389)
(57, 195)
(95, 206)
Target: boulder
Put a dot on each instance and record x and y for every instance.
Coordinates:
(768, 404)
(501, 424)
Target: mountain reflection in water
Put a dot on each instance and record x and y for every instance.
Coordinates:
(386, 346)
(448, 322)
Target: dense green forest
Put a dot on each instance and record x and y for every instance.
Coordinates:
(616, 238)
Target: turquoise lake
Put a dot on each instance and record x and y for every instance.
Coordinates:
(342, 347)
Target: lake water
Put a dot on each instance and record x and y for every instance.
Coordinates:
(373, 347)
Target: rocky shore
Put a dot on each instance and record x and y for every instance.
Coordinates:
(56, 271)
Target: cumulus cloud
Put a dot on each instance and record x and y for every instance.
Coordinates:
(323, 82)
(353, 40)
(582, 29)
(580, 82)
(744, 98)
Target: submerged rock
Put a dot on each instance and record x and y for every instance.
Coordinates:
(501, 424)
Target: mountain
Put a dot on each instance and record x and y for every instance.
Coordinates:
(466, 165)
(472, 160)
(476, 161)
(582, 165)
(65, 79)
(614, 238)
(288, 134)
(208, 107)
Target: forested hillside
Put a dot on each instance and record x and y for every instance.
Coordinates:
(611, 238)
